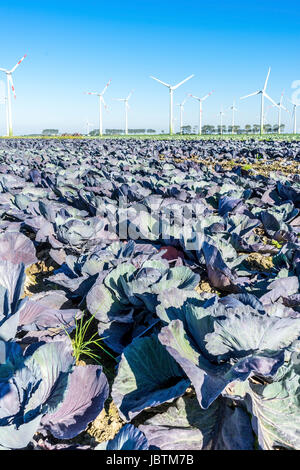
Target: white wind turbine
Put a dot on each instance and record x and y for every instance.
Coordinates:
(171, 89)
(267, 112)
(88, 126)
(126, 109)
(280, 108)
(200, 100)
(10, 84)
(221, 120)
(181, 105)
(3, 101)
(101, 100)
(295, 106)
(234, 110)
(263, 95)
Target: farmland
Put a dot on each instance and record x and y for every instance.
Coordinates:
(188, 137)
(149, 293)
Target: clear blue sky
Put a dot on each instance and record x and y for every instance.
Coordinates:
(77, 46)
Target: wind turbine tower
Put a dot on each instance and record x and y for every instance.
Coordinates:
(10, 84)
(126, 109)
(171, 90)
(101, 100)
(295, 106)
(280, 108)
(263, 96)
(234, 110)
(221, 120)
(200, 100)
(181, 106)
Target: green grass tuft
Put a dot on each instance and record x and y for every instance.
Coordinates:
(85, 346)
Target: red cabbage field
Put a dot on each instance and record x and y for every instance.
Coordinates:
(149, 294)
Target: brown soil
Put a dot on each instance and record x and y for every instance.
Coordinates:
(38, 272)
(260, 167)
(260, 262)
(35, 275)
(204, 286)
(107, 424)
(262, 234)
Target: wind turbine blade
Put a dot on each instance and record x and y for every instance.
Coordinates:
(3, 70)
(12, 85)
(266, 82)
(206, 96)
(251, 94)
(196, 97)
(17, 65)
(129, 95)
(182, 103)
(91, 93)
(166, 84)
(270, 99)
(105, 88)
(119, 99)
(183, 81)
(104, 104)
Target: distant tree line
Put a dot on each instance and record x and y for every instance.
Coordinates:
(248, 129)
(122, 131)
(50, 132)
(141, 131)
(108, 131)
(207, 129)
(190, 130)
